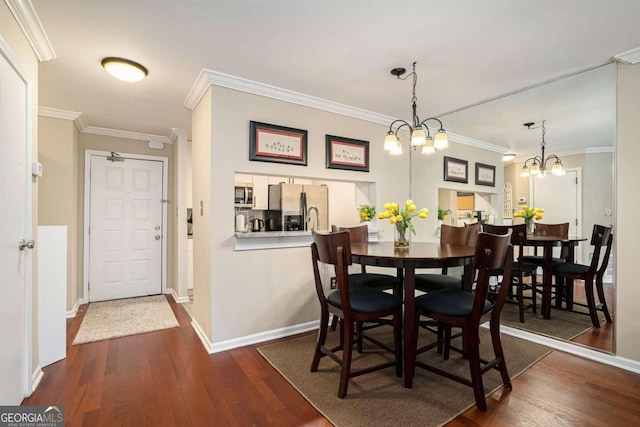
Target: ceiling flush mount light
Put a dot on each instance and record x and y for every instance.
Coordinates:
(539, 163)
(124, 69)
(420, 135)
(508, 157)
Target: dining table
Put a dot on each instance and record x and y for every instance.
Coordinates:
(417, 255)
(548, 242)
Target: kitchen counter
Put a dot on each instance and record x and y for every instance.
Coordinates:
(279, 239)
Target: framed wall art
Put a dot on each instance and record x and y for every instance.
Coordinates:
(347, 153)
(485, 175)
(278, 144)
(456, 170)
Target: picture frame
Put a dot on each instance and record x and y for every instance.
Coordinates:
(277, 144)
(347, 153)
(485, 175)
(456, 170)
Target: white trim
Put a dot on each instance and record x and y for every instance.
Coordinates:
(58, 114)
(575, 349)
(594, 150)
(207, 78)
(87, 199)
(176, 298)
(36, 377)
(630, 56)
(125, 134)
(254, 338)
(81, 123)
(32, 28)
(74, 310)
(573, 152)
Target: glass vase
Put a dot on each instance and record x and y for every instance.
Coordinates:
(531, 225)
(401, 237)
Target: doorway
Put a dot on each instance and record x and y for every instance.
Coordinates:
(125, 223)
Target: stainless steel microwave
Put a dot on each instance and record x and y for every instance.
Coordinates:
(243, 195)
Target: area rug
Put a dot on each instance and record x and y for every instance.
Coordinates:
(379, 398)
(563, 324)
(119, 318)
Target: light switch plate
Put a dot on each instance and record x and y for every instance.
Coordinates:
(36, 169)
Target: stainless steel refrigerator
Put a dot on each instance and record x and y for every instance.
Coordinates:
(300, 206)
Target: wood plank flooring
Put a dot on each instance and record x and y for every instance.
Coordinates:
(165, 378)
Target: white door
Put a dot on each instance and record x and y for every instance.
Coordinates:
(14, 226)
(559, 196)
(125, 228)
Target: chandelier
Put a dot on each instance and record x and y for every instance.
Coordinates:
(539, 163)
(420, 134)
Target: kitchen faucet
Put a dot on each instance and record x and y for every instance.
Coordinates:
(317, 221)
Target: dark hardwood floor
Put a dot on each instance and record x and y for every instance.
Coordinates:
(165, 378)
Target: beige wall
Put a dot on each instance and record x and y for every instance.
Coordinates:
(628, 205)
(58, 199)
(257, 291)
(15, 39)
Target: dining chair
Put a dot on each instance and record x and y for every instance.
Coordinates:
(352, 304)
(519, 268)
(466, 310)
(541, 229)
(601, 236)
(360, 234)
(454, 236)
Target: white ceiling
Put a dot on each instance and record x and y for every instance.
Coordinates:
(467, 51)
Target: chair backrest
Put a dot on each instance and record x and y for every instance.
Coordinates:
(459, 236)
(492, 252)
(605, 259)
(552, 229)
(332, 249)
(357, 233)
(599, 237)
(518, 235)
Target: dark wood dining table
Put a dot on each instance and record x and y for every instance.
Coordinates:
(419, 255)
(548, 243)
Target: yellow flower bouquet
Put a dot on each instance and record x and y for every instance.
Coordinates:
(367, 212)
(529, 215)
(401, 218)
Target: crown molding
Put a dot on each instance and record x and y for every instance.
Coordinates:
(116, 133)
(208, 78)
(594, 150)
(630, 57)
(78, 119)
(32, 28)
(567, 153)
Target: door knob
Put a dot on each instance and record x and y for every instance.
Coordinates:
(157, 237)
(24, 244)
(157, 227)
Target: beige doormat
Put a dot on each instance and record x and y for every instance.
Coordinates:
(379, 398)
(119, 318)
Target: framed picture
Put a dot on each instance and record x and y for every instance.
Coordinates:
(348, 154)
(456, 170)
(278, 144)
(485, 175)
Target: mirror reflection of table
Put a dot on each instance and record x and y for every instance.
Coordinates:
(419, 255)
(548, 243)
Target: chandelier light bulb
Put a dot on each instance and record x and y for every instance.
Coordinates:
(428, 148)
(397, 150)
(535, 168)
(441, 140)
(418, 137)
(390, 142)
(524, 173)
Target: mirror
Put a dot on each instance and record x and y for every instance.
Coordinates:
(580, 119)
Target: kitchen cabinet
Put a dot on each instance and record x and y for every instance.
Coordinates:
(260, 192)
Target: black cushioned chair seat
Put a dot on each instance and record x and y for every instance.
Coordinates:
(449, 302)
(539, 260)
(527, 267)
(366, 300)
(571, 268)
(434, 282)
(373, 280)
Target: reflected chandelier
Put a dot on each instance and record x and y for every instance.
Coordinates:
(539, 163)
(420, 135)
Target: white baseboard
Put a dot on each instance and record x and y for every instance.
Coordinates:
(176, 298)
(36, 377)
(577, 350)
(252, 339)
(72, 313)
